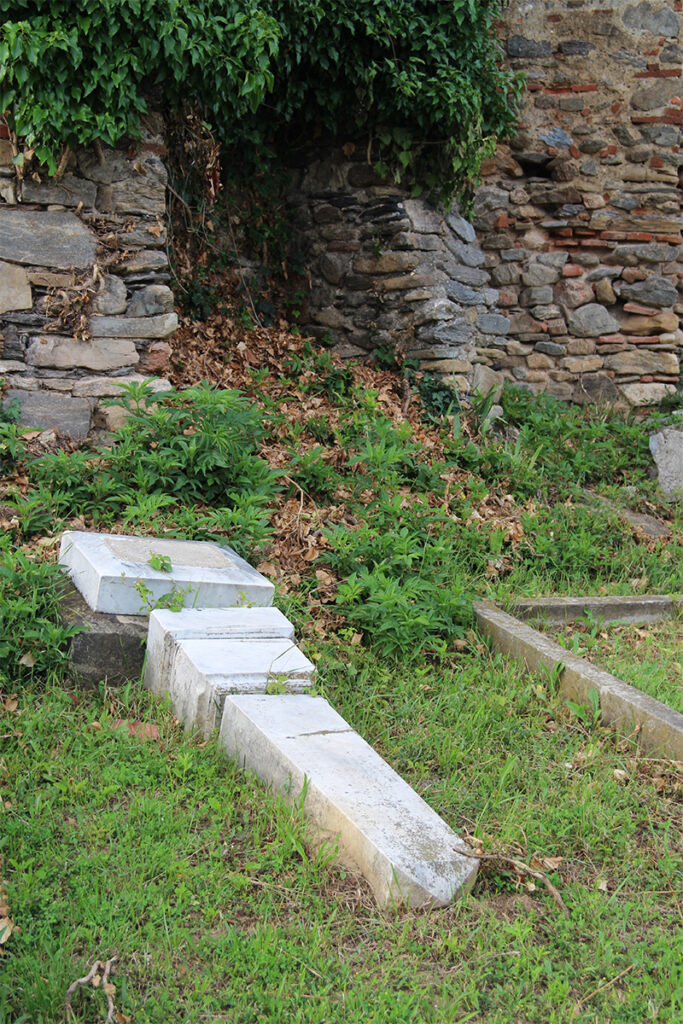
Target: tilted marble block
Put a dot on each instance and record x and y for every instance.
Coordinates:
(167, 629)
(353, 799)
(107, 567)
(204, 671)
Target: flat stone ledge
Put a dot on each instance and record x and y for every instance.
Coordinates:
(167, 629)
(204, 672)
(650, 608)
(111, 648)
(354, 802)
(658, 727)
(110, 569)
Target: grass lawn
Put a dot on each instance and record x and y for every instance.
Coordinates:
(158, 851)
(649, 657)
(379, 520)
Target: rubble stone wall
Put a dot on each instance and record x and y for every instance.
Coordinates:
(569, 278)
(84, 298)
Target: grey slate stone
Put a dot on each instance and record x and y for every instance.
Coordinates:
(150, 301)
(112, 297)
(110, 647)
(653, 291)
(667, 451)
(46, 238)
(50, 410)
(15, 288)
(69, 191)
(643, 17)
(462, 227)
(591, 321)
(493, 323)
(519, 46)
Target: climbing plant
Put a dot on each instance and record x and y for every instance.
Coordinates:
(419, 82)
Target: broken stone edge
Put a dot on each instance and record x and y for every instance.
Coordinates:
(658, 727)
(555, 610)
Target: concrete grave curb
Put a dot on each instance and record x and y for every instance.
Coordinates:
(659, 728)
(354, 801)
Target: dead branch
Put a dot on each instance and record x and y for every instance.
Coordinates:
(524, 869)
(86, 980)
(63, 161)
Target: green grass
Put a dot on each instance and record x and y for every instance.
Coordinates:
(381, 530)
(162, 853)
(648, 657)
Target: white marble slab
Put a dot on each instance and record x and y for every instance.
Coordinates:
(354, 801)
(167, 629)
(204, 671)
(106, 568)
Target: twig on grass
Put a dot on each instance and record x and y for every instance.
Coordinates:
(87, 980)
(608, 984)
(524, 869)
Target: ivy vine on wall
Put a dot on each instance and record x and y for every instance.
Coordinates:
(421, 81)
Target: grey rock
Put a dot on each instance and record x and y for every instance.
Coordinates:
(115, 165)
(434, 309)
(550, 348)
(50, 410)
(575, 48)
(493, 323)
(651, 97)
(653, 291)
(112, 297)
(589, 168)
(592, 320)
(149, 301)
(469, 275)
(489, 199)
(469, 255)
(462, 227)
(15, 288)
(145, 235)
(69, 191)
(667, 451)
(332, 268)
(58, 352)
(460, 334)
(505, 273)
(144, 262)
(672, 54)
(145, 192)
(556, 137)
(643, 17)
(532, 296)
(46, 238)
(133, 327)
(109, 647)
(458, 292)
(520, 46)
(654, 252)
(537, 274)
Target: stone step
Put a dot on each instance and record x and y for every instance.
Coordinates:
(374, 822)
(167, 629)
(204, 671)
(111, 570)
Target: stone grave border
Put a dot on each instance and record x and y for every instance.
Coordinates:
(658, 727)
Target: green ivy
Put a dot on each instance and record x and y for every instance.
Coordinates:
(423, 81)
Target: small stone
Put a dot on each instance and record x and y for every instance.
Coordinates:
(667, 451)
(46, 238)
(654, 291)
(591, 321)
(662, 322)
(56, 351)
(520, 46)
(386, 263)
(493, 323)
(332, 268)
(604, 292)
(643, 361)
(581, 347)
(49, 410)
(69, 191)
(573, 293)
(643, 17)
(538, 361)
(15, 289)
(461, 293)
(534, 296)
(133, 327)
(646, 394)
(537, 274)
(157, 358)
(462, 227)
(484, 379)
(112, 296)
(581, 364)
(150, 301)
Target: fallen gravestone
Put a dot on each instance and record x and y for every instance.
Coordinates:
(667, 451)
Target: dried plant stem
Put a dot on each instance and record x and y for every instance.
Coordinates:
(524, 869)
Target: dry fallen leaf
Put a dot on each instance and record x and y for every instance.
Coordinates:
(6, 929)
(27, 660)
(602, 885)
